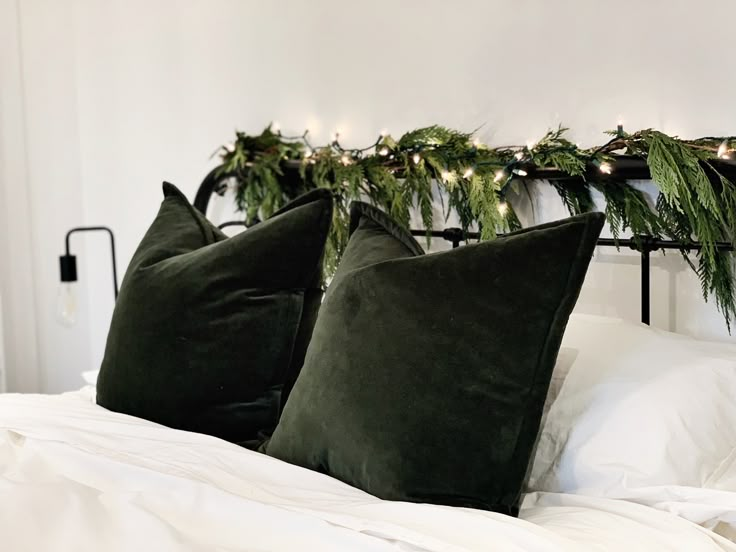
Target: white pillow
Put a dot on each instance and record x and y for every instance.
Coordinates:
(90, 377)
(639, 408)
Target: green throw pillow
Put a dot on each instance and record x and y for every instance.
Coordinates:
(209, 332)
(426, 374)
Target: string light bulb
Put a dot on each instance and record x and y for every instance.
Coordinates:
(519, 155)
(476, 143)
(723, 150)
(500, 175)
(308, 153)
(383, 151)
(503, 208)
(620, 127)
(276, 128)
(335, 137)
(345, 159)
(446, 176)
(520, 172)
(605, 168)
(416, 158)
(468, 172)
(384, 132)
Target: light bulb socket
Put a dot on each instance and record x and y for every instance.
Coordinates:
(68, 268)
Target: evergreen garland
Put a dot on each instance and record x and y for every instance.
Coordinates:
(697, 202)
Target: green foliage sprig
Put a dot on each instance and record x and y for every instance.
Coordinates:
(471, 180)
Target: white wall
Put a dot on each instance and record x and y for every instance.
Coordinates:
(110, 97)
(20, 346)
(3, 382)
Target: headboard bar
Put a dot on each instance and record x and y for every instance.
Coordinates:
(643, 244)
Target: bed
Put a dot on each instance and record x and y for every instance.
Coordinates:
(75, 476)
(636, 449)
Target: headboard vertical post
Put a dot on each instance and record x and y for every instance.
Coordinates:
(645, 299)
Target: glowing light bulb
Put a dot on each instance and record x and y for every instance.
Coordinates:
(308, 153)
(345, 159)
(476, 142)
(500, 175)
(446, 176)
(519, 155)
(723, 150)
(530, 144)
(383, 151)
(503, 208)
(605, 168)
(520, 172)
(384, 132)
(416, 158)
(276, 127)
(468, 172)
(66, 304)
(229, 147)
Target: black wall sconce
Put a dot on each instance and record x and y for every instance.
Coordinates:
(67, 302)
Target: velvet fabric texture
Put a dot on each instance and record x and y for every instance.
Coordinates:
(209, 332)
(426, 375)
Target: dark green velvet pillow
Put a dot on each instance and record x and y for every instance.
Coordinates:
(209, 332)
(426, 374)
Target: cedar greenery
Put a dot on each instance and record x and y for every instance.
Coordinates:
(697, 202)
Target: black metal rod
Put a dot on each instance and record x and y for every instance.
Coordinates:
(456, 235)
(654, 244)
(231, 223)
(645, 288)
(450, 235)
(212, 183)
(112, 249)
(644, 244)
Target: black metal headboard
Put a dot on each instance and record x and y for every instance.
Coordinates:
(215, 183)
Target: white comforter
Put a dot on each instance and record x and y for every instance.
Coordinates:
(76, 477)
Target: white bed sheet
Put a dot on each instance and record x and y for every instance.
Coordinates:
(75, 477)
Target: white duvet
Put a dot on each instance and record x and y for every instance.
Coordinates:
(75, 477)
